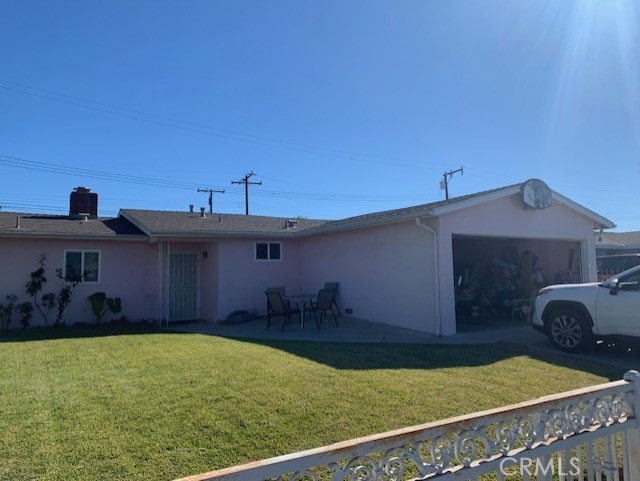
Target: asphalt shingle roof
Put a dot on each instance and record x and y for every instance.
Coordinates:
(627, 239)
(405, 212)
(156, 222)
(38, 225)
(137, 222)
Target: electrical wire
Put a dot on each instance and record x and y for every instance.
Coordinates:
(221, 133)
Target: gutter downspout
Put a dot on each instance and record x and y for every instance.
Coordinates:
(168, 281)
(159, 303)
(436, 256)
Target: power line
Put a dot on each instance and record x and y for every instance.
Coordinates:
(22, 163)
(221, 133)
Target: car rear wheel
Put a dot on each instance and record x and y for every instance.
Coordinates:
(569, 331)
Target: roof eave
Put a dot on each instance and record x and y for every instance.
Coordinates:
(49, 235)
(328, 228)
(186, 236)
(599, 222)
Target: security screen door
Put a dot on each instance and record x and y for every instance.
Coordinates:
(183, 287)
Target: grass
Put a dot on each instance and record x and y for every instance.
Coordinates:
(96, 404)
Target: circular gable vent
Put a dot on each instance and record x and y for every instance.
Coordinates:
(535, 194)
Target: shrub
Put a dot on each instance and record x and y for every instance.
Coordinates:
(35, 285)
(26, 311)
(98, 307)
(6, 311)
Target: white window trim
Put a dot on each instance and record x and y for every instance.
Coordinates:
(255, 251)
(82, 253)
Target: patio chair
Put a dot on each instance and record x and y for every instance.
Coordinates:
(333, 286)
(279, 307)
(283, 295)
(323, 304)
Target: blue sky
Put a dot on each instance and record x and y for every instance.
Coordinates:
(339, 107)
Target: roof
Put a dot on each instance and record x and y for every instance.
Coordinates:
(441, 207)
(141, 224)
(157, 223)
(628, 240)
(404, 213)
(37, 225)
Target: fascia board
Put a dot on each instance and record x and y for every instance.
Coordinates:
(135, 222)
(599, 221)
(480, 199)
(49, 235)
(327, 229)
(186, 236)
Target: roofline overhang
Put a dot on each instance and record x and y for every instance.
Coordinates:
(328, 228)
(200, 236)
(599, 222)
(48, 235)
(141, 227)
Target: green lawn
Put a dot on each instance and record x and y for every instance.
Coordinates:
(97, 404)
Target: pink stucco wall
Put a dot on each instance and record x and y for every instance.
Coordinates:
(242, 280)
(128, 271)
(386, 273)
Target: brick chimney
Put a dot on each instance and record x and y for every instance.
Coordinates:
(83, 203)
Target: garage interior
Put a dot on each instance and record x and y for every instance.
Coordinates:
(496, 277)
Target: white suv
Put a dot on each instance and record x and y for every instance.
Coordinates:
(575, 315)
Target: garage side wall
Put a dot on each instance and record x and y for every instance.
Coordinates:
(127, 270)
(386, 273)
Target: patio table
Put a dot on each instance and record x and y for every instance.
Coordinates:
(303, 299)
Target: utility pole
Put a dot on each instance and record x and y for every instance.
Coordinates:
(211, 191)
(245, 181)
(444, 184)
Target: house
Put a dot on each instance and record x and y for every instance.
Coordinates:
(612, 243)
(412, 267)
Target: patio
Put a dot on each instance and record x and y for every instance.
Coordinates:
(351, 329)
(354, 330)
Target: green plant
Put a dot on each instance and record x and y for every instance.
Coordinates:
(97, 300)
(6, 311)
(115, 304)
(64, 296)
(35, 285)
(100, 304)
(26, 311)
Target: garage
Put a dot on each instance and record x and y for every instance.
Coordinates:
(496, 248)
(496, 276)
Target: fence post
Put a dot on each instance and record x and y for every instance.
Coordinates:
(633, 435)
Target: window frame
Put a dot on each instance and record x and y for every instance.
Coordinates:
(268, 245)
(83, 253)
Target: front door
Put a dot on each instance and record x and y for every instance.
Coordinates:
(184, 292)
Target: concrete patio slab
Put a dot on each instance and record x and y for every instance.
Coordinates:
(518, 334)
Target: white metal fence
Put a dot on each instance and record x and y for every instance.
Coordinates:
(588, 434)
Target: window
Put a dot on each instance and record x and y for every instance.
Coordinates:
(83, 266)
(268, 251)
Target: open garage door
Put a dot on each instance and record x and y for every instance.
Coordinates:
(495, 277)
